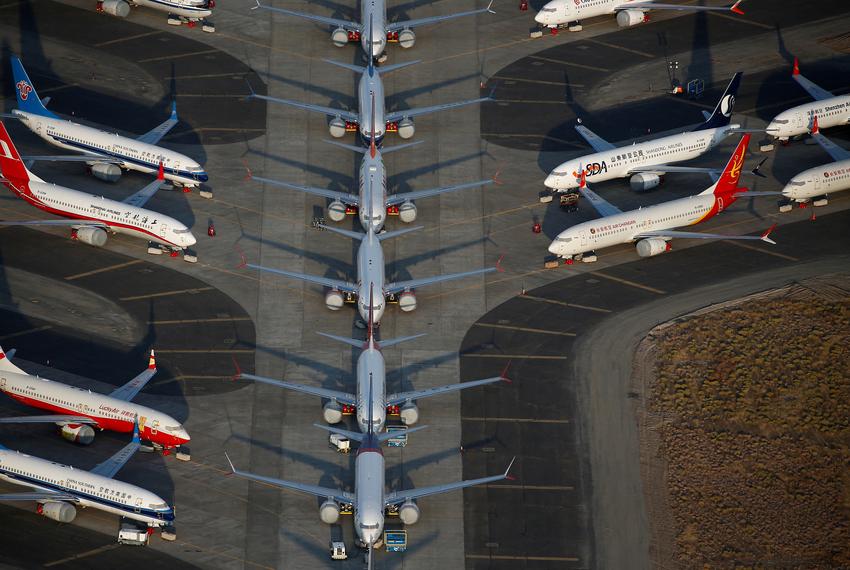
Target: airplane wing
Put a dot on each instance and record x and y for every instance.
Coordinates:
(71, 223)
(154, 135)
(59, 419)
(818, 93)
(397, 497)
(401, 397)
(114, 464)
(327, 282)
(397, 26)
(598, 143)
(699, 235)
(342, 397)
(324, 492)
(346, 24)
(38, 496)
(835, 151)
(73, 158)
(396, 199)
(330, 111)
(140, 198)
(602, 206)
(649, 5)
(343, 197)
(400, 286)
(129, 390)
(409, 113)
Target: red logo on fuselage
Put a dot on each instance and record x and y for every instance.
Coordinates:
(24, 89)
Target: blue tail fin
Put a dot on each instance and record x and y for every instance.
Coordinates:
(722, 114)
(28, 100)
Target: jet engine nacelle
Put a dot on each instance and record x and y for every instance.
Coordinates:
(62, 512)
(329, 512)
(336, 211)
(106, 171)
(652, 246)
(92, 236)
(626, 18)
(408, 513)
(332, 412)
(337, 127)
(644, 181)
(78, 433)
(409, 413)
(407, 212)
(406, 39)
(406, 129)
(116, 8)
(334, 300)
(339, 37)
(407, 301)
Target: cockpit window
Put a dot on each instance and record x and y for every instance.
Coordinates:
(560, 173)
(172, 428)
(369, 526)
(563, 239)
(183, 231)
(158, 505)
(547, 9)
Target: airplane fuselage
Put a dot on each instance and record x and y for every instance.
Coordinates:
(109, 413)
(558, 12)
(370, 277)
(90, 489)
(192, 9)
(370, 86)
(371, 376)
(797, 120)
(818, 181)
(374, 11)
(373, 205)
(619, 162)
(369, 493)
(133, 154)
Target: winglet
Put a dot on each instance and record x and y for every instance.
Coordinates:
(152, 361)
(226, 456)
(238, 374)
(136, 438)
(243, 261)
(504, 374)
(757, 170)
(508, 470)
(490, 7)
(764, 236)
(734, 8)
(248, 83)
(499, 267)
(161, 174)
(174, 109)
(815, 129)
(248, 174)
(254, 8)
(496, 179)
(796, 68)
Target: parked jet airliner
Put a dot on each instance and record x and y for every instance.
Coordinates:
(106, 153)
(651, 228)
(647, 161)
(90, 217)
(628, 12)
(84, 410)
(831, 110)
(58, 488)
(193, 10)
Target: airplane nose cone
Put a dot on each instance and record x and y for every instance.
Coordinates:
(540, 18)
(551, 180)
(190, 240)
(553, 248)
(203, 176)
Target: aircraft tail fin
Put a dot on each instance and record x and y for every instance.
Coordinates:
(12, 167)
(28, 99)
(6, 363)
(722, 114)
(728, 181)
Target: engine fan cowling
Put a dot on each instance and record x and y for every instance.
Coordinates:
(116, 8)
(626, 18)
(106, 171)
(652, 246)
(78, 433)
(62, 512)
(408, 513)
(329, 512)
(407, 301)
(339, 37)
(337, 127)
(409, 413)
(644, 181)
(406, 39)
(332, 412)
(407, 212)
(406, 128)
(336, 211)
(334, 300)
(92, 236)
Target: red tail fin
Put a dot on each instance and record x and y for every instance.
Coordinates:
(11, 164)
(728, 181)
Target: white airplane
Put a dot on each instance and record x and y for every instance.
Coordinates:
(105, 153)
(821, 180)
(58, 489)
(371, 399)
(651, 228)
(192, 10)
(832, 110)
(90, 217)
(369, 499)
(375, 11)
(628, 12)
(647, 161)
(79, 412)
(373, 210)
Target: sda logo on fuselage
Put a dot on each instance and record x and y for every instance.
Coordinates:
(24, 89)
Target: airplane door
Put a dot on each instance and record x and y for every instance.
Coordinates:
(162, 229)
(798, 120)
(817, 181)
(583, 239)
(3, 384)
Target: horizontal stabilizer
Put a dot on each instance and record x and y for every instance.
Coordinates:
(357, 436)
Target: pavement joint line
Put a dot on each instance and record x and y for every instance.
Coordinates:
(205, 351)
(562, 62)
(533, 136)
(59, 87)
(103, 269)
(517, 356)
(627, 282)
(230, 556)
(538, 81)
(208, 75)
(86, 554)
(528, 558)
(26, 332)
(193, 290)
(513, 420)
(523, 329)
(483, 217)
(564, 303)
(178, 56)
(742, 20)
(761, 250)
(623, 48)
(529, 487)
(531, 101)
(197, 321)
(127, 39)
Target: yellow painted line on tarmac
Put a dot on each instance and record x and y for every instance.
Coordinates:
(573, 64)
(532, 136)
(622, 48)
(737, 18)
(528, 487)
(103, 270)
(86, 554)
(573, 305)
(26, 332)
(538, 81)
(761, 250)
(198, 321)
(517, 356)
(192, 291)
(179, 55)
(210, 75)
(523, 329)
(513, 420)
(127, 39)
(627, 282)
(526, 558)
